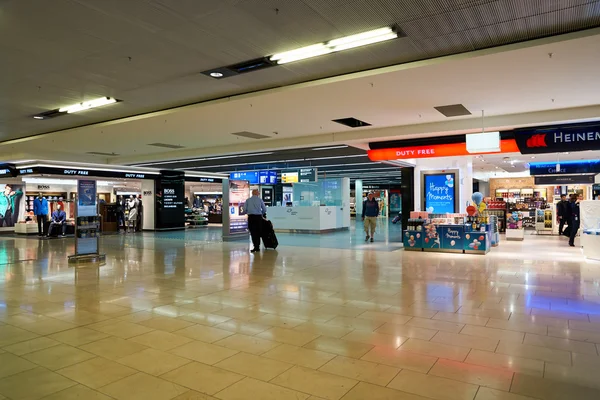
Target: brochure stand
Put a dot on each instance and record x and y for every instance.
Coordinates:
(87, 225)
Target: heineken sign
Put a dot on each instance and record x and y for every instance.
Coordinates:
(558, 139)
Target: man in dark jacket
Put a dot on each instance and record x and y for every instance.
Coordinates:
(562, 214)
(575, 221)
(370, 212)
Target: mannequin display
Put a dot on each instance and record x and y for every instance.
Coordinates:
(59, 218)
(140, 214)
(120, 213)
(132, 204)
(40, 210)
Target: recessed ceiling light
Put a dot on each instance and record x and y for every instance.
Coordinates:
(38, 117)
(532, 156)
(86, 105)
(216, 74)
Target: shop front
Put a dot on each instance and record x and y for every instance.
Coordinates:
(203, 201)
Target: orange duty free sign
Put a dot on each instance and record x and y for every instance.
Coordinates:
(436, 150)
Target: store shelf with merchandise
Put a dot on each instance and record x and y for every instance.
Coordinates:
(450, 233)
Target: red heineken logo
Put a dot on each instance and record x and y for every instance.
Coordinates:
(537, 140)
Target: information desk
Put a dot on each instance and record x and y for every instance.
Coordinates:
(307, 219)
(447, 239)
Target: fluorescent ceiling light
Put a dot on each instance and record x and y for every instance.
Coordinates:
(86, 105)
(329, 148)
(344, 43)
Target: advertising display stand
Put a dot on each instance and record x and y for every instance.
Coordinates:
(87, 224)
(235, 220)
(514, 226)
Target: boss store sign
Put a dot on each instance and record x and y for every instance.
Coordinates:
(558, 139)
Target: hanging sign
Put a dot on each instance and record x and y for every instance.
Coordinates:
(566, 167)
(559, 139)
(564, 179)
(435, 150)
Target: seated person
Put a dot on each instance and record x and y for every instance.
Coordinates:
(59, 217)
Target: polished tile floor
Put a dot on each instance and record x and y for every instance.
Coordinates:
(184, 316)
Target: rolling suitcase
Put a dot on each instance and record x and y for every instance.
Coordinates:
(268, 235)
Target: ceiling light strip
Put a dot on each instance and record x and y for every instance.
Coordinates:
(86, 105)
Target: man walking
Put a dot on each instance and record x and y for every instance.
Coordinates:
(255, 208)
(562, 213)
(574, 221)
(370, 212)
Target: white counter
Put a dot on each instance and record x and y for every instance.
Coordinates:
(307, 219)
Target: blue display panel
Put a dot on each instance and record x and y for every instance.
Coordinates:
(413, 239)
(452, 237)
(267, 177)
(439, 192)
(476, 241)
(250, 176)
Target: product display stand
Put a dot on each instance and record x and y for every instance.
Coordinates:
(87, 225)
(544, 221)
(515, 234)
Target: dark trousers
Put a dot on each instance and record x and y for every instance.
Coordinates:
(53, 224)
(561, 225)
(254, 226)
(574, 228)
(41, 220)
(7, 220)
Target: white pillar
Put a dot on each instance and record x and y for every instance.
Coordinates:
(346, 202)
(358, 191)
(149, 204)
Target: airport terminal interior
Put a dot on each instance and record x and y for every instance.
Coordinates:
(422, 178)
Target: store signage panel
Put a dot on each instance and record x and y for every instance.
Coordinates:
(435, 150)
(566, 167)
(170, 200)
(439, 192)
(86, 172)
(559, 139)
(299, 175)
(267, 196)
(267, 177)
(86, 202)
(564, 179)
(203, 179)
(250, 176)
(239, 191)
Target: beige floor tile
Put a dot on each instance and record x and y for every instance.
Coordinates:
(534, 352)
(340, 346)
(412, 311)
(435, 349)
(78, 392)
(474, 342)
(461, 318)
(122, 329)
(79, 336)
(299, 356)
(279, 321)
(11, 335)
(254, 366)
(97, 372)
(547, 389)
(242, 314)
(322, 329)
(574, 334)
(248, 344)
(244, 327)
(493, 394)
(204, 333)
(433, 387)
(165, 324)
(407, 331)
(288, 336)
(143, 387)
(316, 383)
(478, 375)
(33, 384)
(161, 340)
(364, 391)
(11, 364)
(560, 344)
(385, 317)
(202, 318)
(365, 371)
(193, 395)
(203, 352)
(154, 362)
(578, 375)
(113, 348)
(259, 390)
(49, 326)
(30, 346)
(435, 325)
(355, 323)
(375, 339)
(400, 359)
(585, 326)
(492, 333)
(511, 363)
(585, 360)
(539, 329)
(202, 378)
(137, 317)
(57, 357)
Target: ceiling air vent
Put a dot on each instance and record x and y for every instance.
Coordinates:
(240, 68)
(351, 122)
(49, 114)
(250, 135)
(454, 110)
(99, 153)
(166, 145)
